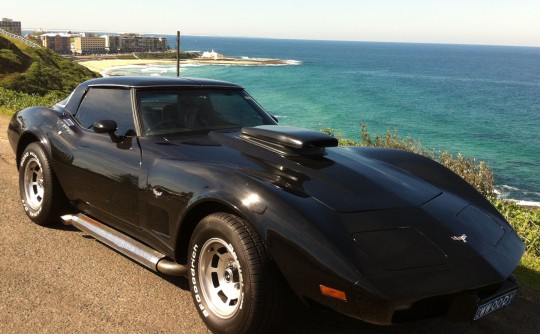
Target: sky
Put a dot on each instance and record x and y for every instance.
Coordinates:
(490, 22)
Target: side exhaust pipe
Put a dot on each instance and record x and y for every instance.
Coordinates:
(126, 245)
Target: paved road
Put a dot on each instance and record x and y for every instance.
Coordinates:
(57, 280)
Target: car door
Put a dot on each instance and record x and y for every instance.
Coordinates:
(105, 167)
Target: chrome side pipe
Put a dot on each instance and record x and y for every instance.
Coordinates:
(126, 245)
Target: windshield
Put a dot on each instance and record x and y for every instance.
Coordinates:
(171, 111)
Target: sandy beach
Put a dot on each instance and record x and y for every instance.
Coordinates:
(101, 65)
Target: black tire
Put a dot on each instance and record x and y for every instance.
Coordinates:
(235, 286)
(41, 195)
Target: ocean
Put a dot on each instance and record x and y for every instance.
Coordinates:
(480, 101)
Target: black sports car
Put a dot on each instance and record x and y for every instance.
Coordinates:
(192, 177)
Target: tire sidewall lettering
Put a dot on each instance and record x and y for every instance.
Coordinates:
(194, 281)
(30, 154)
(224, 229)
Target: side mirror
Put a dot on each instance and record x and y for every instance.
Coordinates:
(105, 126)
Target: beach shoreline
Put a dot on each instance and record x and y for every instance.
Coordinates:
(103, 64)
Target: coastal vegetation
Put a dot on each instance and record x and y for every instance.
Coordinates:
(38, 71)
(30, 77)
(12, 101)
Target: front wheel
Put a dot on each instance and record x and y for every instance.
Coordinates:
(234, 284)
(41, 195)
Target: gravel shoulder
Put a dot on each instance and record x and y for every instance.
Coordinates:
(57, 280)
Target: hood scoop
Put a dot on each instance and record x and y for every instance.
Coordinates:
(289, 141)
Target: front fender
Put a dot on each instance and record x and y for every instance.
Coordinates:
(294, 227)
(30, 125)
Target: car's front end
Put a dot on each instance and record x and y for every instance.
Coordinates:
(355, 231)
(446, 257)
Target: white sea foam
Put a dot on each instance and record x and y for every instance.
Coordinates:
(293, 62)
(154, 70)
(528, 203)
(507, 187)
(507, 192)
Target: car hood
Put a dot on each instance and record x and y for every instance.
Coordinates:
(340, 178)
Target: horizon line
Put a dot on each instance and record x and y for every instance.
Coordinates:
(285, 38)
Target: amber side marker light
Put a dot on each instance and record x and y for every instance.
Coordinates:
(327, 291)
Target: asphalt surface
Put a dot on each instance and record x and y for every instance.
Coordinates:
(58, 280)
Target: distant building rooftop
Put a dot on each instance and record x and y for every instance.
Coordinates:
(52, 34)
(11, 26)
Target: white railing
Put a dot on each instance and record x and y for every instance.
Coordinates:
(20, 38)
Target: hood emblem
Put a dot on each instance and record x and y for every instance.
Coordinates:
(462, 237)
(156, 192)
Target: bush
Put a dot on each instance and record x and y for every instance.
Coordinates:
(525, 221)
(12, 101)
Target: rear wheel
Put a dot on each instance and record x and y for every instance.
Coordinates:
(41, 195)
(235, 286)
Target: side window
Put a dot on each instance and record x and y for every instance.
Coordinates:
(107, 103)
(235, 108)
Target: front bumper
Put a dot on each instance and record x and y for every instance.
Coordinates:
(462, 306)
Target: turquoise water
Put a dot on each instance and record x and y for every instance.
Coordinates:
(480, 101)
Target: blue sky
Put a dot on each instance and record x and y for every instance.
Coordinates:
(501, 22)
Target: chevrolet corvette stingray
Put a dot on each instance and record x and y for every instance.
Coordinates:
(192, 177)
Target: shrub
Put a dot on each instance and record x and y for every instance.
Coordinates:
(12, 101)
(525, 221)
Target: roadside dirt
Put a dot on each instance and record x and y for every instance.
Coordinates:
(56, 280)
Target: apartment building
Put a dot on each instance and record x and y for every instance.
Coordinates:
(59, 43)
(112, 43)
(11, 26)
(139, 43)
(88, 44)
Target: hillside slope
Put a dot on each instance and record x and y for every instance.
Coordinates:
(12, 59)
(38, 70)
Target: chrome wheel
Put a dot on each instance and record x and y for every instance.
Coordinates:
(233, 283)
(41, 195)
(221, 278)
(33, 184)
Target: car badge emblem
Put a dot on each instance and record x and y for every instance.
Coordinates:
(157, 193)
(462, 237)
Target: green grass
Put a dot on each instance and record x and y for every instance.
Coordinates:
(528, 272)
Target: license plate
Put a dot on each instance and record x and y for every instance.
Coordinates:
(495, 304)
